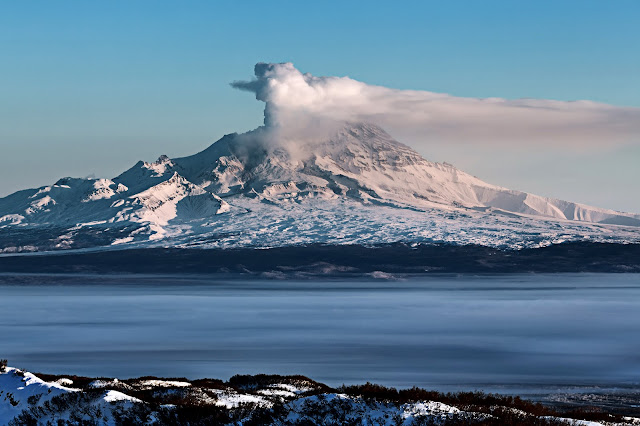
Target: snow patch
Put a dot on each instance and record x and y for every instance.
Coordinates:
(115, 396)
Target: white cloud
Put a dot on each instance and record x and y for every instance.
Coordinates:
(298, 102)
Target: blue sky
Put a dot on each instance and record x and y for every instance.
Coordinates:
(92, 87)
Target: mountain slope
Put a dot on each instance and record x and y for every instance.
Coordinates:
(358, 186)
(363, 162)
(27, 398)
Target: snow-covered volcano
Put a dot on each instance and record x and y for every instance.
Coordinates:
(357, 186)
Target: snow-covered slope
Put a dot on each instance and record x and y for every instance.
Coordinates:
(22, 394)
(359, 185)
(26, 399)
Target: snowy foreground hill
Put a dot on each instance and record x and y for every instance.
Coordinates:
(27, 398)
(359, 186)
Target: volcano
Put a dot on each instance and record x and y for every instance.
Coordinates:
(356, 186)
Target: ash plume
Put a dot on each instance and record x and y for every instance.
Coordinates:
(301, 106)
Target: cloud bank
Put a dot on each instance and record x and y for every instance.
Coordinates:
(301, 104)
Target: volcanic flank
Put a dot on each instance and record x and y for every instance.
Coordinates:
(358, 186)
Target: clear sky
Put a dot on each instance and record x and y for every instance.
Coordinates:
(89, 88)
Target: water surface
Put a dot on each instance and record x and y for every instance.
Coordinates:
(444, 332)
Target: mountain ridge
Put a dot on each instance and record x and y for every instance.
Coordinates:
(359, 167)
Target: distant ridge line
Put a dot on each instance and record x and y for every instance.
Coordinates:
(336, 261)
